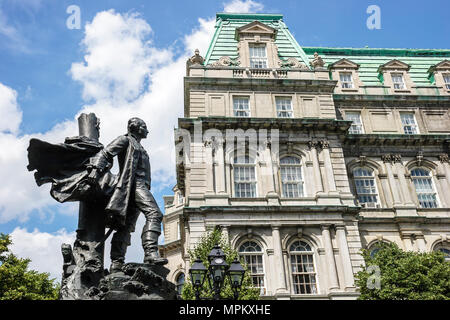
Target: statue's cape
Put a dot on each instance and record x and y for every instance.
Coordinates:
(64, 165)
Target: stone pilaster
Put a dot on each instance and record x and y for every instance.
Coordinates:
(333, 283)
(278, 261)
(345, 257)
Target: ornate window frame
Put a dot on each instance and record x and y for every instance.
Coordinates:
(394, 67)
(313, 253)
(433, 184)
(263, 289)
(302, 173)
(257, 32)
(346, 66)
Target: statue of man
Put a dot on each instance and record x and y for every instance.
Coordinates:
(131, 194)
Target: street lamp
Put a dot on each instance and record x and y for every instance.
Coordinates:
(216, 273)
(236, 273)
(217, 270)
(198, 275)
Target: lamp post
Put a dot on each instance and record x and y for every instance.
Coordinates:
(216, 273)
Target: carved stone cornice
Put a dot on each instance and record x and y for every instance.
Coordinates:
(391, 158)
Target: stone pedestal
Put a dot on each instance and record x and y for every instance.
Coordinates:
(137, 281)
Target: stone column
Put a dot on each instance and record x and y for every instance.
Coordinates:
(317, 175)
(219, 169)
(393, 185)
(208, 161)
(280, 286)
(226, 233)
(345, 257)
(404, 184)
(331, 263)
(329, 174)
(406, 238)
(420, 240)
(187, 241)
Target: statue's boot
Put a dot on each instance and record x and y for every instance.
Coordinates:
(150, 244)
(116, 266)
(119, 243)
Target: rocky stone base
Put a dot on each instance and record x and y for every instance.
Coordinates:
(136, 281)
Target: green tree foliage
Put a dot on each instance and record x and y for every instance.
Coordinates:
(18, 283)
(201, 251)
(404, 275)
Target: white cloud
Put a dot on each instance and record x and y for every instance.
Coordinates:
(239, 6)
(137, 80)
(44, 249)
(9, 109)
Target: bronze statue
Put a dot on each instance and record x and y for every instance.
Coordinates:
(131, 194)
(78, 170)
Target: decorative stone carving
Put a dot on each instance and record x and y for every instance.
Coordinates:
(391, 158)
(419, 158)
(317, 61)
(323, 144)
(443, 157)
(196, 59)
(362, 160)
(225, 61)
(293, 63)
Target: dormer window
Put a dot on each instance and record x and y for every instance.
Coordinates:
(346, 80)
(346, 72)
(394, 75)
(397, 80)
(258, 56)
(439, 74)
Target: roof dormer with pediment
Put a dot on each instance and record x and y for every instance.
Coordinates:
(343, 64)
(394, 65)
(255, 29)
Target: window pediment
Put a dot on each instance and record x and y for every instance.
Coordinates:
(441, 66)
(394, 64)
(344, 64)
(255, 28)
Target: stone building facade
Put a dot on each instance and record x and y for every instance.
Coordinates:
(305, 155)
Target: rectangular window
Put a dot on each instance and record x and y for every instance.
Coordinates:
(284, 107)
(357, 126)
(447, 81)
(346, 80)
(258, 56)
(397, 79)
(241, 107)
(409, 123)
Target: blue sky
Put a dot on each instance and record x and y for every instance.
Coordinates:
(49, 73)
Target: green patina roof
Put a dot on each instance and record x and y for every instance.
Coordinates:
(224, 44)
(369, 59)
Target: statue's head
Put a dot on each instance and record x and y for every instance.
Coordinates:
(137, 127)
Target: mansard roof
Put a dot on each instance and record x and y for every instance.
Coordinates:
(370, 59)
(394, 64)
(224, 42)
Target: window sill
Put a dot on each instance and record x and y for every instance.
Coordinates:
(349, 90)
(402, 91)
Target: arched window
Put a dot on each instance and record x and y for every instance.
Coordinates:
(375, 247)
(445, 249)
(366, 189)
(424, 188)
(244, 177)
(291, 177)
(253, 256)
(302, 267)
(180, 283)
